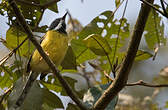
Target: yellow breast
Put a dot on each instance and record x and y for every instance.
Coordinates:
(55, 46)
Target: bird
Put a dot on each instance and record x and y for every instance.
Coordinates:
(55, 45)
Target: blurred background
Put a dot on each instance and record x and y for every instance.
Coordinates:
(147, 70)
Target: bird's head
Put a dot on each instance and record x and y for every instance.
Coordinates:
(59, 24)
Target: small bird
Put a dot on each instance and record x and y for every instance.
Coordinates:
(55, 45)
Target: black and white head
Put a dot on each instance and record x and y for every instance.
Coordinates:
(59, 25)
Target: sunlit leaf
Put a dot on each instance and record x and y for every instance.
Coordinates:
(105, 26)
(154, 30)
(97, 44)
(81, 52)
(54, 85)
(53, 7)
(142, 55)
(94, 93)
(117, 2)
(8, 76)
(14, 37)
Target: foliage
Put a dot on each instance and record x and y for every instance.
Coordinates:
(154, 31)
(94, 93)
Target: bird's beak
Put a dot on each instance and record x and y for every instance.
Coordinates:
(63, 18)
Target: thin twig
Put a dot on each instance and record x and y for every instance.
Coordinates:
(139, 83)
(4, 59)
(165, 2)
(163, 7)
(112, 14)
(118, 34)
(152, 6)
(108, 58)
(142, 83)
(56, 72)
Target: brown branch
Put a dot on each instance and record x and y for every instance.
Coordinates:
(122, 74)
(27, 29)
(142, 83)
(139, 83)
(152, 6)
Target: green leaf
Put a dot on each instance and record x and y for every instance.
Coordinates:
(36, 97)
(69, 61)
(71, 82)
(14, 37)
(9, 76)
(97, 44)
(72, 107)
(81, 52)
(5, 81)
(117, 2)
(53, 7)
(51, 99)
(94, 93)
(166, 105)
(154, 30)
(93, 28)
(142, 55)
(52, 84)
(33, 100)
(105, 26)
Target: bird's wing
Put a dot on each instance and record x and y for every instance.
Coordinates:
(28, 68)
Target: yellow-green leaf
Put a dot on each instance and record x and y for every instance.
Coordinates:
(117, 2)
(97, 44)
(14, 37)
(142, 55)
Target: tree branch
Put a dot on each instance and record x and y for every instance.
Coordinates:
(64, 83)
(142, 83)
(4, 59)
(163, 7)
(139, 83)
(122, 75)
